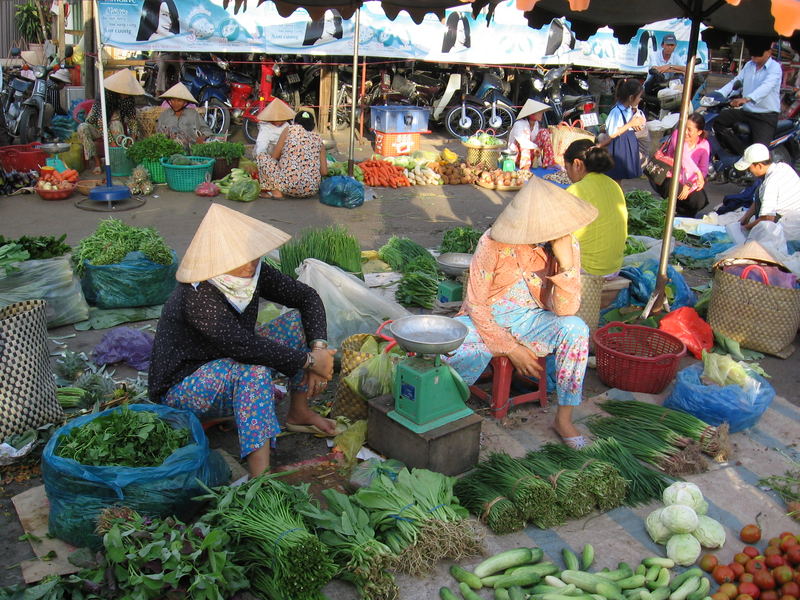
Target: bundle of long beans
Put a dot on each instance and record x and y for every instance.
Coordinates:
(333, 245)
(650, 443)
(573, 488)
(713, 440)
(604, 479)
(533, 496)
(644, 484)
(497, 511)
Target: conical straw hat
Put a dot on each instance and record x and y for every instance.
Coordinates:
(277, 110)
(540, 212)
(531, 107)
(179, 91)
(123, 82)
(34, 58)
(225, 240)
(750, 250)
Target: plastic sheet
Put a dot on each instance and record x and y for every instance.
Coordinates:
(51, 280)
(78, 493)
(341, 191)
(124, 344)
(739, 407)
(136, 281)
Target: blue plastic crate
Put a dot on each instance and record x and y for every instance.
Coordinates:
(399, 119)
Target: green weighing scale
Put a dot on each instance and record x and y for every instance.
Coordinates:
(54, 150)
(452, 264)
(427, 392)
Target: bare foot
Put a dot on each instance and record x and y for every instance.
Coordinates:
(311, 418)
(566, 429)
(277, 194)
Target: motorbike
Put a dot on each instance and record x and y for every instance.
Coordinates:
(785, 146)
(208, 83)
(26, 109)
(248, 98)
(498, 112)
(568, 107)
(286, 82)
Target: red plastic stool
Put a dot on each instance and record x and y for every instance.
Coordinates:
(502, 374)
(225, 423)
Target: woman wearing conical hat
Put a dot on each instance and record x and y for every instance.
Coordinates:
(180, 122)
(529, 141)
(209, 355)
(275, 117)
(524, 288)
(122, 88)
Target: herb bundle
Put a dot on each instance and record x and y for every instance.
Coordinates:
(398, 252)
(113, 240)
(153, 147)
(229, 151)
(460, 239)
(334, 245)
(572, 487)
(125, 438)
(495, 510)
(417, 289)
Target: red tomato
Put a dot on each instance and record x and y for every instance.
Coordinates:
(722, 574)
(790, 589)
(750, 589)
(783, 574)
(764, 580)
(793, 555)
(754, 565)
(774, 560)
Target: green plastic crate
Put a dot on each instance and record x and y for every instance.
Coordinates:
(184, 178)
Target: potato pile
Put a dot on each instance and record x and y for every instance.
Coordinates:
(454, 174)
(498, 177)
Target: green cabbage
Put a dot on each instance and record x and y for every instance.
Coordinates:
(679, 518)
(709, 532)
(702, 509)
(244, 190)
(683, 492)
(658, 532)
(683, 548)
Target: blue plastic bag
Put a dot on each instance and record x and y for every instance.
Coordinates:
(643, 283)
(78, 493)
(342, 191)
(739, 407)
(136, 281)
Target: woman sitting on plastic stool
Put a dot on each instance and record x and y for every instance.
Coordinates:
(528, 141)
(524, 285)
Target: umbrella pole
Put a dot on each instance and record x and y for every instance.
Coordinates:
(659, 299)
(103, 109)
(351, 148)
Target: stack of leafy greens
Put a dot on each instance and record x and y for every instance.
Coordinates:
(495, 510)
(647, 214)
(334, 245)
(113, 240)
(123, 438)
(40, 247)
(340, 168)
(420, 282)
(11, 254)
(285, 559)
(573, 488)
(460, 239)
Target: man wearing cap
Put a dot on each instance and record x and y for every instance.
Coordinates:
(665, 63)
(528, 141)
(759, 105)
(777, 199)
(211, 358)
(272, 121)
(178, 121)
(121, 90)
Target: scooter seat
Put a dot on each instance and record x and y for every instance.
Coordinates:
(239, 78)
(425, 80)
(784, 126)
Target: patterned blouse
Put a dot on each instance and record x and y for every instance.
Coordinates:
(131, 126)
(494, 270)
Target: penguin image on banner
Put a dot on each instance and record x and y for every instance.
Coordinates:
(560, 40)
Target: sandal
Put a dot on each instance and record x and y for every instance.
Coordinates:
(576, 442)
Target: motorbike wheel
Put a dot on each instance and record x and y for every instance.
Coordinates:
(506, 116)
(453, 117)
(218, 117)
(29, 126)
(250, 129)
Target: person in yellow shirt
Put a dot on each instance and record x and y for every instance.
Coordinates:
(602, 241)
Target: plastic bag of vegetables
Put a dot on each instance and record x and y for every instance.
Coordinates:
(374, 376)
(244, 190)
(342, 191)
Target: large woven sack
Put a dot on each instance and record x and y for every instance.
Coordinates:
(27, 388)
(758, 316)
(346, 402)
(562, 135)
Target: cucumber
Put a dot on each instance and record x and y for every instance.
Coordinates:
(489, 581)
(651, 573)
(587, 557)
(590, 582)
(502, 561)
(464, 576)
(520, 578)
(562, 597)
(610, 591)
(622, 571)
(570, 560)
(467, 592)
(515, 593)
(542, 569)
(446, 594)
(554, 581)
(634, 593)
(661, 581)
(640, 570)
(660, 593)
(629, 583)
(501, 594)
(537, 554)
(543, 588)
(687, 587)
(688, 573)
(701, 591)
(658, 561)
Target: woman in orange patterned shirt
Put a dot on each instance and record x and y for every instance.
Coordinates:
(524, 288)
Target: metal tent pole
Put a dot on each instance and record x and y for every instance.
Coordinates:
(352, 147)
(102, 87)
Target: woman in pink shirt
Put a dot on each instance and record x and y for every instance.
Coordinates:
(694, 168)
(524, 288)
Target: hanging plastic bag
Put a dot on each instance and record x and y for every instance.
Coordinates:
(686, 325)
(740, 407)
(350, 306)
(373, 377)
(342, 191)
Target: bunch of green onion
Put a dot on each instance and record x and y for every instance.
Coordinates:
(496, 511)
(333, 245)
(399, 252)
(417, 289)
(572, 487)
(644, 484)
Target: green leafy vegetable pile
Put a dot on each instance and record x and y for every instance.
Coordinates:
(40, 247)
(10, 254)
(124, 438)
(340, 168)
(334, 245)
(634, 246)
(153, 147)
(417, 289)
(460, 239)
(420, 281)
(398, 252)
(113, 240)
(244, 190)
(647, 214)
(225, 150)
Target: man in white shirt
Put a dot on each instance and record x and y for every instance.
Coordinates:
(665, 61)
(778, 198)
(760, 103)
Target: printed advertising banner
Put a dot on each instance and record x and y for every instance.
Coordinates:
(205, 26)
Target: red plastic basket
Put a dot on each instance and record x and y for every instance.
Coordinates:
(636, 358)
(55, 194)
(23, 157)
